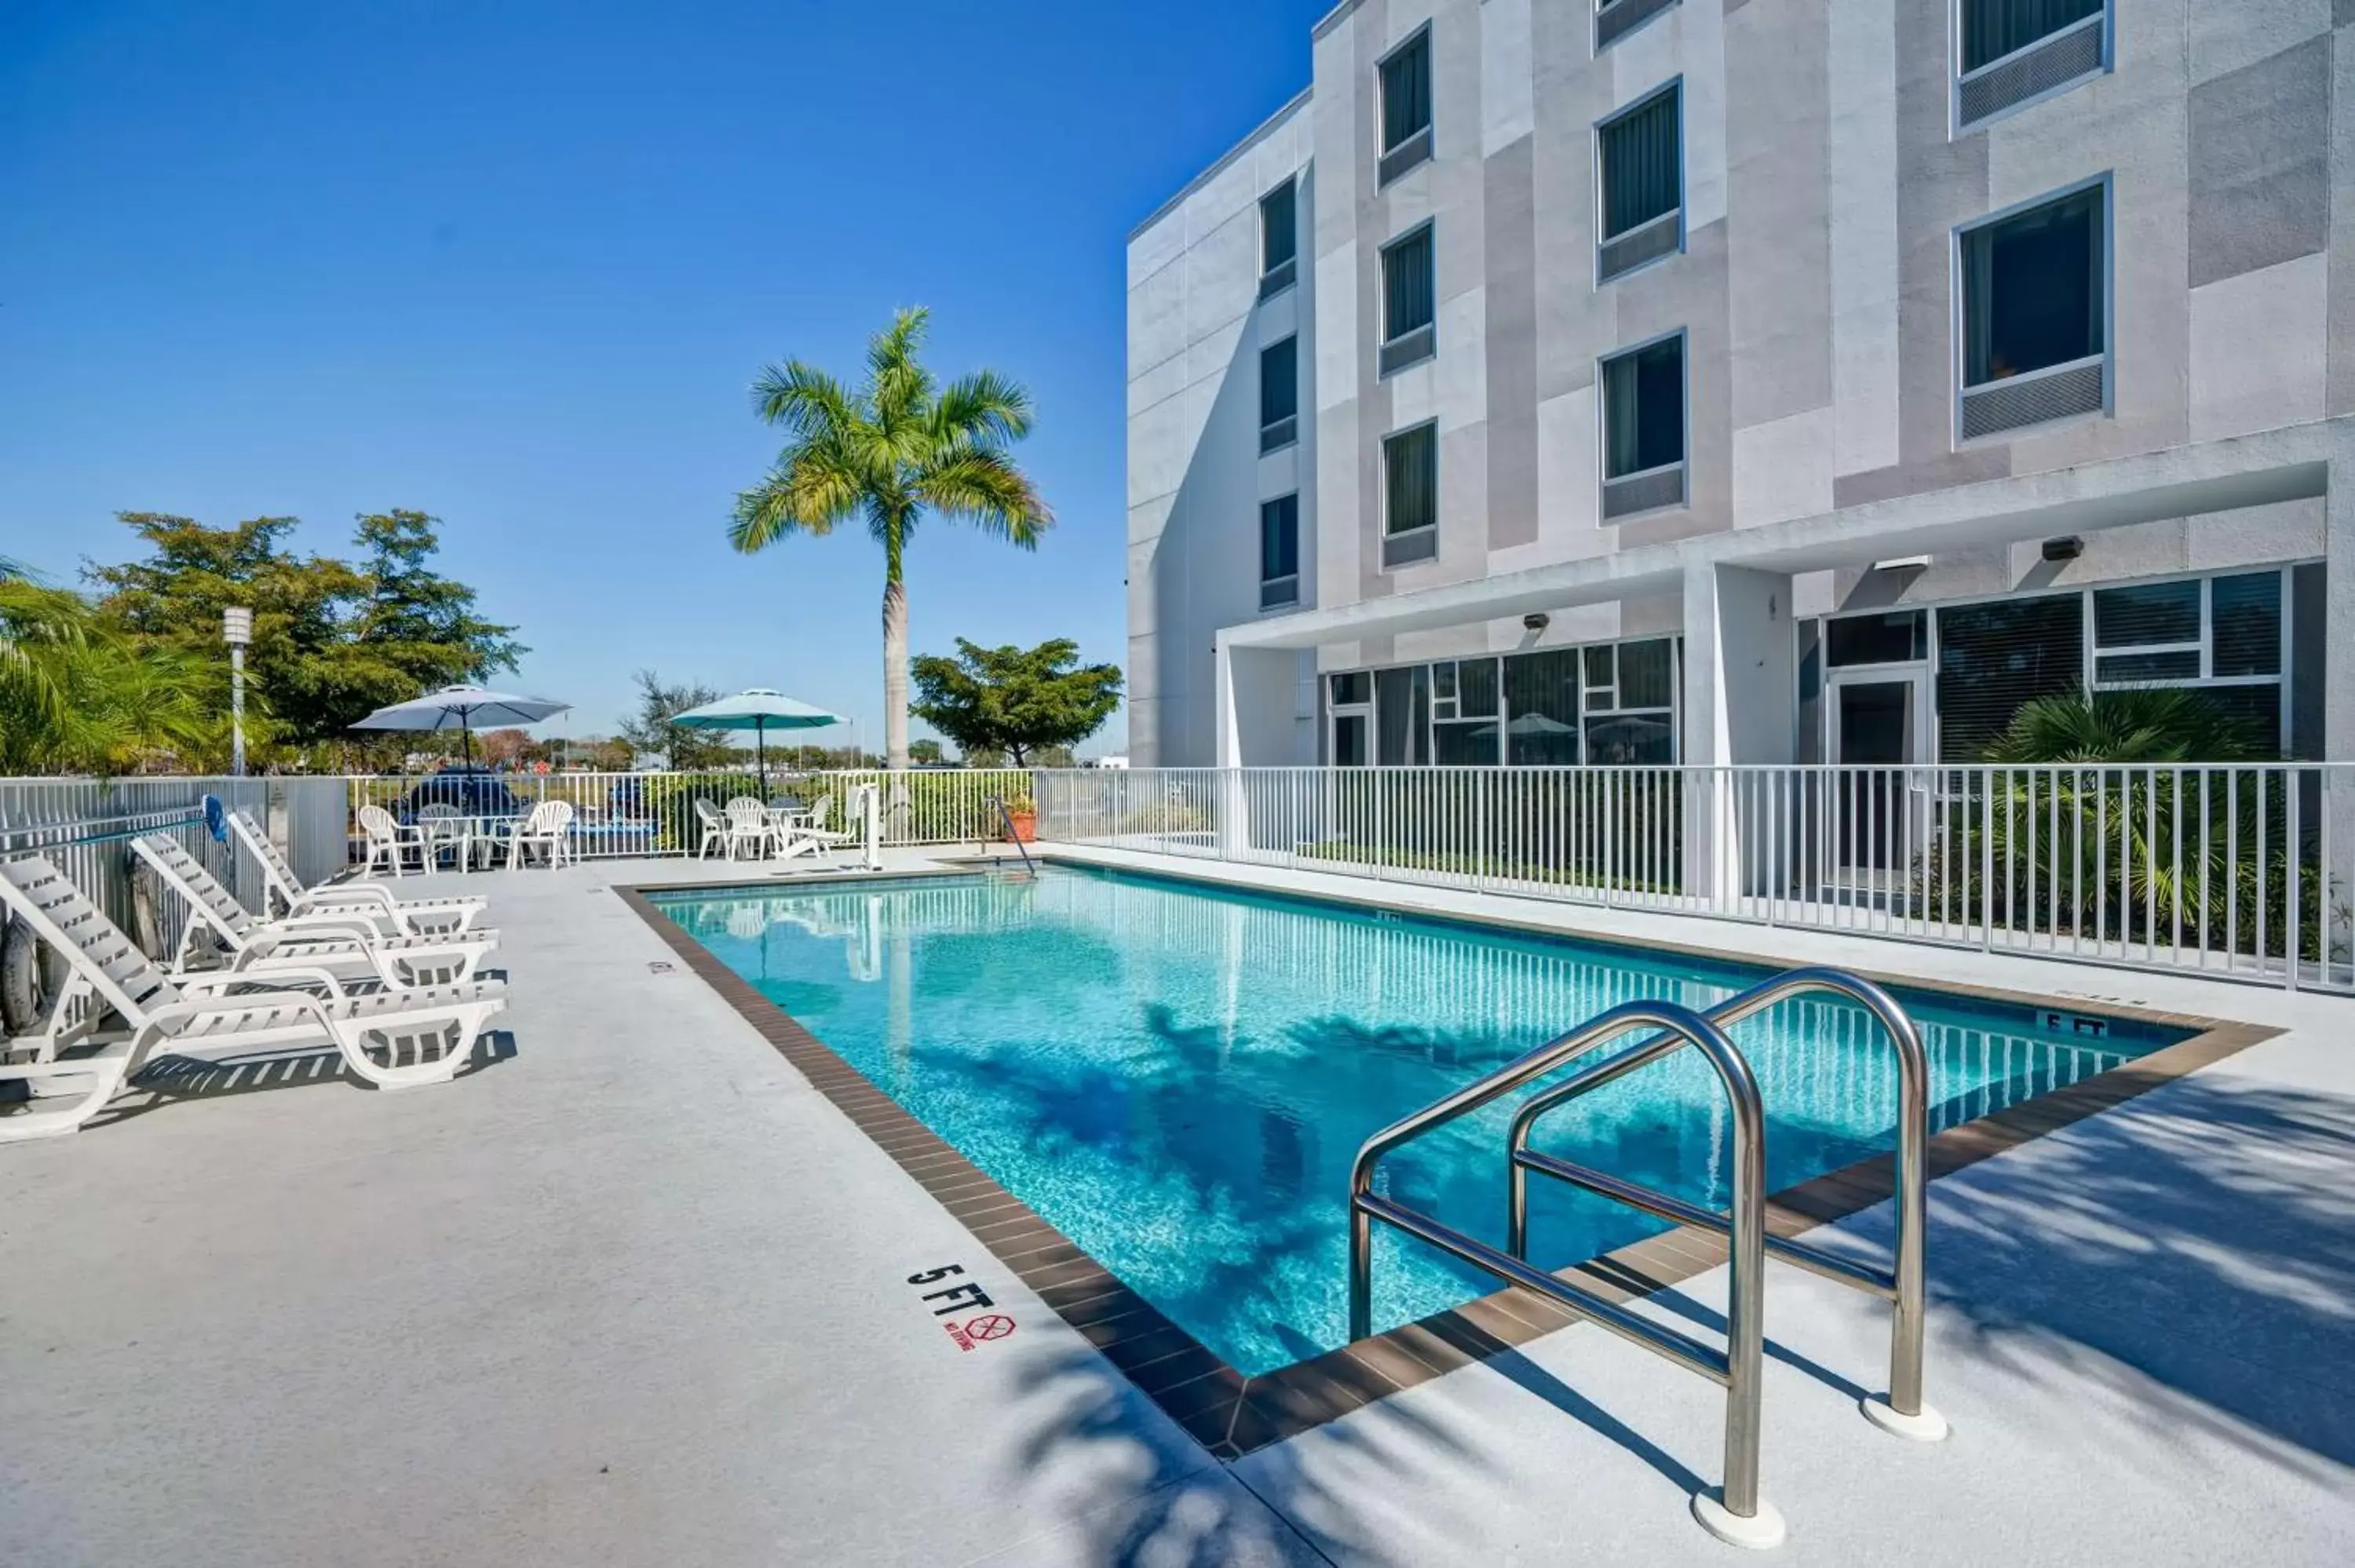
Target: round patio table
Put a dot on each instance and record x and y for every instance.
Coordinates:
(467, 834)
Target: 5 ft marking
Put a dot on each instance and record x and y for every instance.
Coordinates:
(957, 1297)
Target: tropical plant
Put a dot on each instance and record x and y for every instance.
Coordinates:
(75, 697)
(1016, 701)
(896, 447)
(2141, 724)
(2093, 820)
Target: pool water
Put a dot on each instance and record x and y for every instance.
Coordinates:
(1178, 1077)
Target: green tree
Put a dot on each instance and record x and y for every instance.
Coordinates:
(332, 638)
(925, 753)
(416, 620)
(1016, 701)
(650, 733)
(898, 446)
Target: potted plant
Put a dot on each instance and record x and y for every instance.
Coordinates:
(1022, 813)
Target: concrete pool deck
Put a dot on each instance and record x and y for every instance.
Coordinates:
(632, 1292)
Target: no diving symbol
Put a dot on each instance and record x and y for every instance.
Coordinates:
(993, 1327)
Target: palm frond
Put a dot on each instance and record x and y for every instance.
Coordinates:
(982, 410)
(808, 492)
(984, 489)
(898, 390)
(802, 398)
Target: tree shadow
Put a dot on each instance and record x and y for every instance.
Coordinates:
(1184, 1508)
(2191, 1252)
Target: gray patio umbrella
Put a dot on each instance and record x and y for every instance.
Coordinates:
(460, 708)
(759, 710)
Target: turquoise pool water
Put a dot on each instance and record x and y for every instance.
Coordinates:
(1178, 1077)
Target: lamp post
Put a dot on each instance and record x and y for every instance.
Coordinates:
(237, 630)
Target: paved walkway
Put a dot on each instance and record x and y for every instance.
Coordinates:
(633, 1293)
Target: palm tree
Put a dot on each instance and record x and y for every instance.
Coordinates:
(80, 698)
(2138, 724)
(888, 452)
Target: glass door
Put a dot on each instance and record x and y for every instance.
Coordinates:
(1879, 723)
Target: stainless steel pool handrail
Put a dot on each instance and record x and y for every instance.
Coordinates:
(1903, 1286)
(1012, 835)
(1737, 1514)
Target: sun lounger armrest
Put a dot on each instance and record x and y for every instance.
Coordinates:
(323, 923)
(290, 981)
(327, 896)
(201, 1006)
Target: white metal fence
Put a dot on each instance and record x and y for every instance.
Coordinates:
(2247, 871)
(86, 827)
(615, 815)
(631, 814)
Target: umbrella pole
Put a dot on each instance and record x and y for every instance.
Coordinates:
(465, 740)
(760, 739)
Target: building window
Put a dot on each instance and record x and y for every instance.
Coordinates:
(1630, 703)
(1279, 395)
(1410, 301)
(1899, 637)
(1279, 552)
(1351, 695)
(2010, 53)
(2034, 309)
(1615, 19)
(1639, 181)
(1464, 717)
(1643, 429)
(1279, 238)
(2222, 635)
(1993, 658)
(1402, 717)
(1411, 496)
(1541, 708)
(1405, 107)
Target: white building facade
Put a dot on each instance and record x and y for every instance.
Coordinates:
(1770, 381)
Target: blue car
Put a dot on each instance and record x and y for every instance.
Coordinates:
(474, 791)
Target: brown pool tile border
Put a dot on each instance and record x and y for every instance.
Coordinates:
(1232, 1414)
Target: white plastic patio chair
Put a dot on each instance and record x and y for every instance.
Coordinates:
(748, 823)
(715, 829)
(442, 827)
(282, 892)
(348, 946)
(811, 835)
(388, 840)
(548, 826)
(435, 1029)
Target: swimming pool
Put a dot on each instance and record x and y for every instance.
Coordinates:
(1177, 1076)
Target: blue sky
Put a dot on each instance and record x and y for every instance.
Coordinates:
(514, 264)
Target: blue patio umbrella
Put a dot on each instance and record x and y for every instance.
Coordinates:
(460, 708)
(758, 710)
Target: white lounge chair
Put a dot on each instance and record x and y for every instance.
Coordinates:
(348, 946)
(283, 893)
(435, 1029)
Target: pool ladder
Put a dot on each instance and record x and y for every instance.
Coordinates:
(1735, 1513)
(1013, 837)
